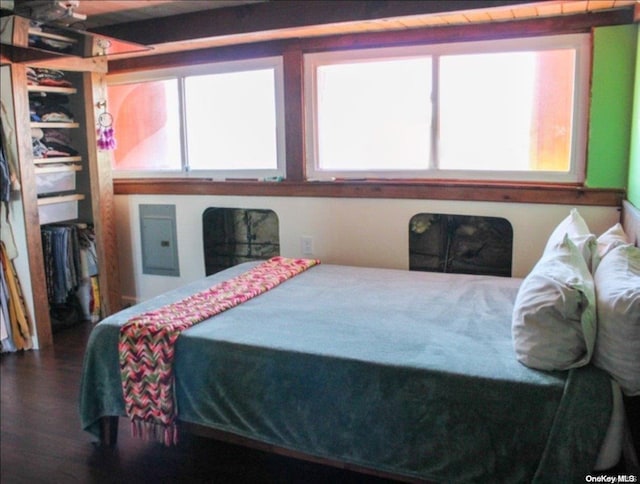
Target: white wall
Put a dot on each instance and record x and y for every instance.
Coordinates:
(362, 232)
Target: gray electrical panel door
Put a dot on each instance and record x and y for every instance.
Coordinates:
(159, 240)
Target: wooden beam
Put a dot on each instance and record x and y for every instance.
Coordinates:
(103, 206)
(280, 14)
(421, 190)
(231, 438)
(428, 35)
(294, 114)
(11, 54)
(109, 431)
(42, 321)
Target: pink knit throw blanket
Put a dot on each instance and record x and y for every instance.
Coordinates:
(147, 344)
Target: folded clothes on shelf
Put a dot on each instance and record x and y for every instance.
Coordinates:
(51, 142)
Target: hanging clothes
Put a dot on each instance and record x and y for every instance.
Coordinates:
(8, 183)
(18, 326)
(5, 325)
(62, 261)
(88, 294)
(5, 178)
(15, 325)
(70, 264)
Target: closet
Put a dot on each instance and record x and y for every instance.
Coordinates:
(59, 186)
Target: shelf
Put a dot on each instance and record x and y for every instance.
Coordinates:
(60, 199)
(57, 159)
(56, 179)
(60, 208)
(41, 170)
(53, 89)
(53, 189)
(52, 36)
(55, 125)
(16, 31)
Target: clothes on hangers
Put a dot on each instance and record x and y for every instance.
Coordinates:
(61, 261)
(71, 264)
(14, 317)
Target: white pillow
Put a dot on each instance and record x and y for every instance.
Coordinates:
(579, 233)
(617, 348)
(609, 240)
(554, 316)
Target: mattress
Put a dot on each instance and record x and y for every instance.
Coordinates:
(410, 373)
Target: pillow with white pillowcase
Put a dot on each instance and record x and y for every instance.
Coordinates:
(554, 316)
(576, 228)
(612, 238)
(617, 350)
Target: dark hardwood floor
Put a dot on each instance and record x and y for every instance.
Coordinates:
(41, 440)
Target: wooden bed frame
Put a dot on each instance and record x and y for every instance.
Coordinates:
(630, 219)
(109, 437)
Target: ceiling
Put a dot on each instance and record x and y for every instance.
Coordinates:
(112, 12)
(149, 22)
(101, 13)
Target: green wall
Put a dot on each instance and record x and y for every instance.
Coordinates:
(614, 65)
(633, 187)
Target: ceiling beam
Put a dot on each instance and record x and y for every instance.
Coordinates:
(281, 14)
(247, 46)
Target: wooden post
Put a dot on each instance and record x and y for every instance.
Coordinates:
(108, 431)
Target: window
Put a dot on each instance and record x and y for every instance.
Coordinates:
(146, 117)
(221, 120)
(502, 110)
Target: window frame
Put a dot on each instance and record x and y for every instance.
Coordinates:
(581, 42)
(181, 73)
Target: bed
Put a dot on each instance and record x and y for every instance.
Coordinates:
(405, 374)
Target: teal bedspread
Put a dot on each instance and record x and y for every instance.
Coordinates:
(406, 372)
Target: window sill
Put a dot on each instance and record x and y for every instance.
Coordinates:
(409, 189)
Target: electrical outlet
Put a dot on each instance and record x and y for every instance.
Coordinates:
(306, 245)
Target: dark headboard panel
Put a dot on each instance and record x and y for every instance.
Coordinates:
(631, 222)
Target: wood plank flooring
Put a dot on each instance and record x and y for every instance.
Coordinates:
(41, 440)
